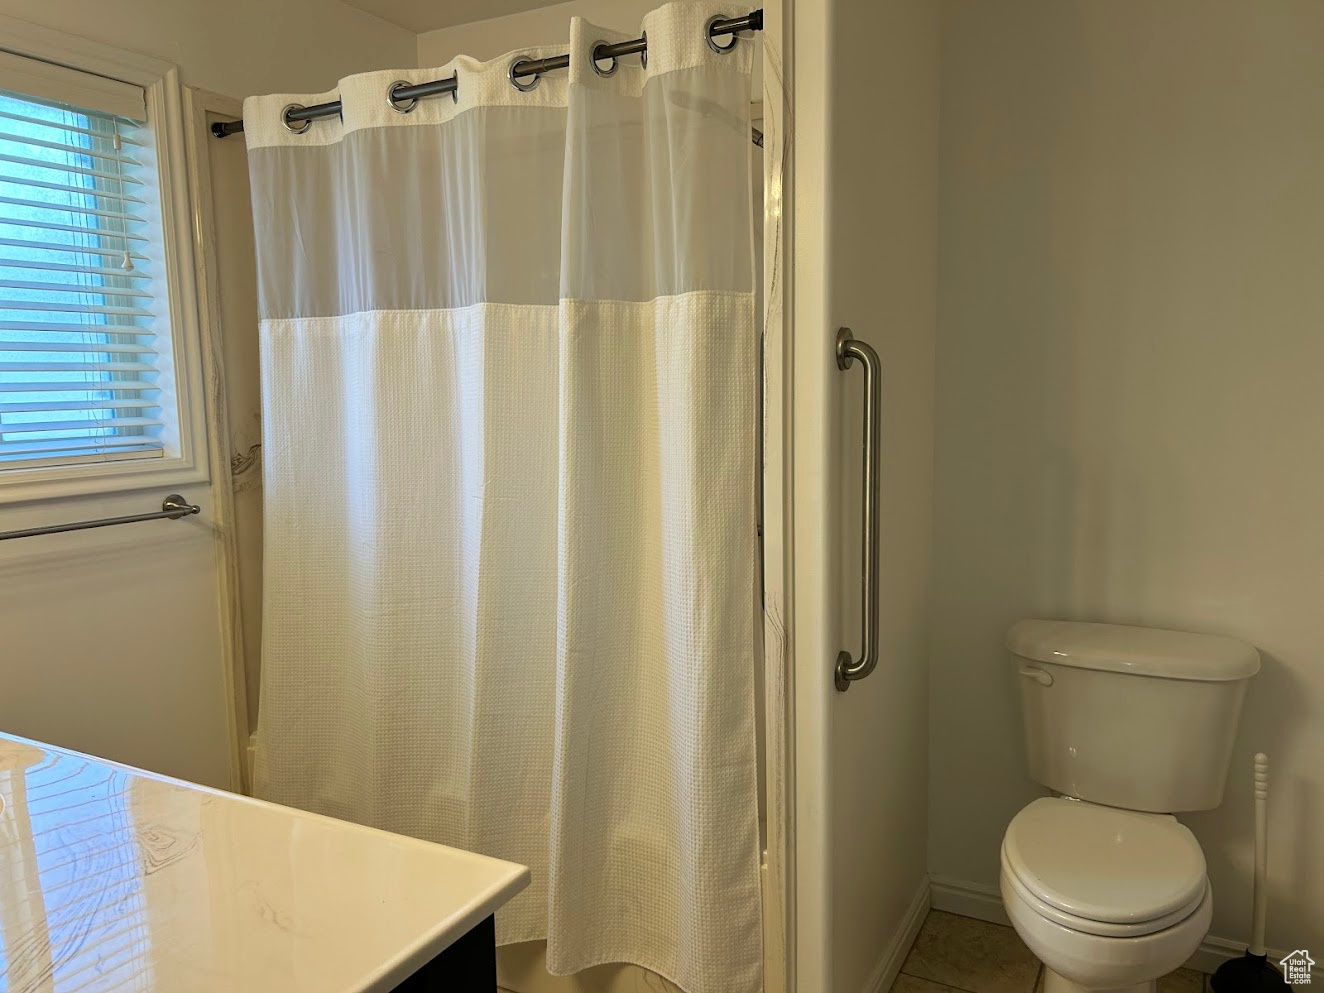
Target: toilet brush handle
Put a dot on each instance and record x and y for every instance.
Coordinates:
(1261, 853)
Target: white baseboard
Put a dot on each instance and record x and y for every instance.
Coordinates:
(885, 973)
(984, 903)
(956, 896)
(1214, 951)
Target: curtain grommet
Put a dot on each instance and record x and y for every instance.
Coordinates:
(593, 59)
(708, 34)
(398, 107)
(643, 56)
(515, 79)
(289, 126)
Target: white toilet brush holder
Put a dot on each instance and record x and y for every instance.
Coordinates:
(1252, 973)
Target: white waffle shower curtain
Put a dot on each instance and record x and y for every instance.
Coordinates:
(509, 373)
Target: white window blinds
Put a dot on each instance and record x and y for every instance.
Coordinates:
(84, 362)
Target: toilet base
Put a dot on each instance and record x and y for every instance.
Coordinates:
(1104, 964)
(1054, 983)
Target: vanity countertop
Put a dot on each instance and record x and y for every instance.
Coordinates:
(112, 878)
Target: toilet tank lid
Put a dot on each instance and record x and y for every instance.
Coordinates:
(1142, 651)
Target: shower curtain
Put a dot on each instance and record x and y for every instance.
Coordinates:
(509, 376)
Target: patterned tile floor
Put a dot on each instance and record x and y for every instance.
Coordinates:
(961, 955)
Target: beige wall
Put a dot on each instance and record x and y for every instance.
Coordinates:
(1129, 416)
(240, 47)
(882, 261)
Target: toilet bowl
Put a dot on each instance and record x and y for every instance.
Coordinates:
(1128, 725)
(1107, 899)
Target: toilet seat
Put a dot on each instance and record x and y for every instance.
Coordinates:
(1102, 870)
(1103, 929)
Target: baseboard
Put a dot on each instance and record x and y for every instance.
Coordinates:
(956, 896)
(885, 973)
(1214, 951)
(984, 903)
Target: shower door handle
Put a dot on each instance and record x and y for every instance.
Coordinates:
(849, 349)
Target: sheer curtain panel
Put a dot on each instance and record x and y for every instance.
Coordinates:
(509, 380)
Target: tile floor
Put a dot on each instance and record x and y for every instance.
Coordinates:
(961, 955)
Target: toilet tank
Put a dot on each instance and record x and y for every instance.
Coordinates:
(1130, 717)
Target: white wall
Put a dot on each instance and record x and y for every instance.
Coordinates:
(110, 640)
(542, 26)
(882, 258)
(1129, 414)
(240, 47)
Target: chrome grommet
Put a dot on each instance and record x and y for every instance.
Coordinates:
(285, 119)
(643, 56)
(396, 105)
(518, 83)
(708, 33)
(593, 59)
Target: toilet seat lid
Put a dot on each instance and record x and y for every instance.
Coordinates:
(1103, 863)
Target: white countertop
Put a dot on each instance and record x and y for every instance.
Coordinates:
(112, 878)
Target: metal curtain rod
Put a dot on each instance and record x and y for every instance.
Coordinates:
(173, 507)
(403, 96)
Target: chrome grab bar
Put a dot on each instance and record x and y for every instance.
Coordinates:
(850, 348)
(173, 507)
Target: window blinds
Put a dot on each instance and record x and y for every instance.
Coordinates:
(81, 370)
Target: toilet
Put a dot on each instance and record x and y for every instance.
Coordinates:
(1127, 726)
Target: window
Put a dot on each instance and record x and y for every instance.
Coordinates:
(94, 377)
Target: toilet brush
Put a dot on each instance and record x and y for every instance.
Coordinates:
(1252, 973)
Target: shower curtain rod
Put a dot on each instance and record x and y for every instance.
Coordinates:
(401, 93)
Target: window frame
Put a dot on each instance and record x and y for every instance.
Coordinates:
(163, 95)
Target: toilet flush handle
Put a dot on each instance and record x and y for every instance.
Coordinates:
(1038, 675)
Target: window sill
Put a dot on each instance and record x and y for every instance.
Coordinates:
(62, 482)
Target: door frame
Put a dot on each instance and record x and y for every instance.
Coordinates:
(799, 508)
(780, 907)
